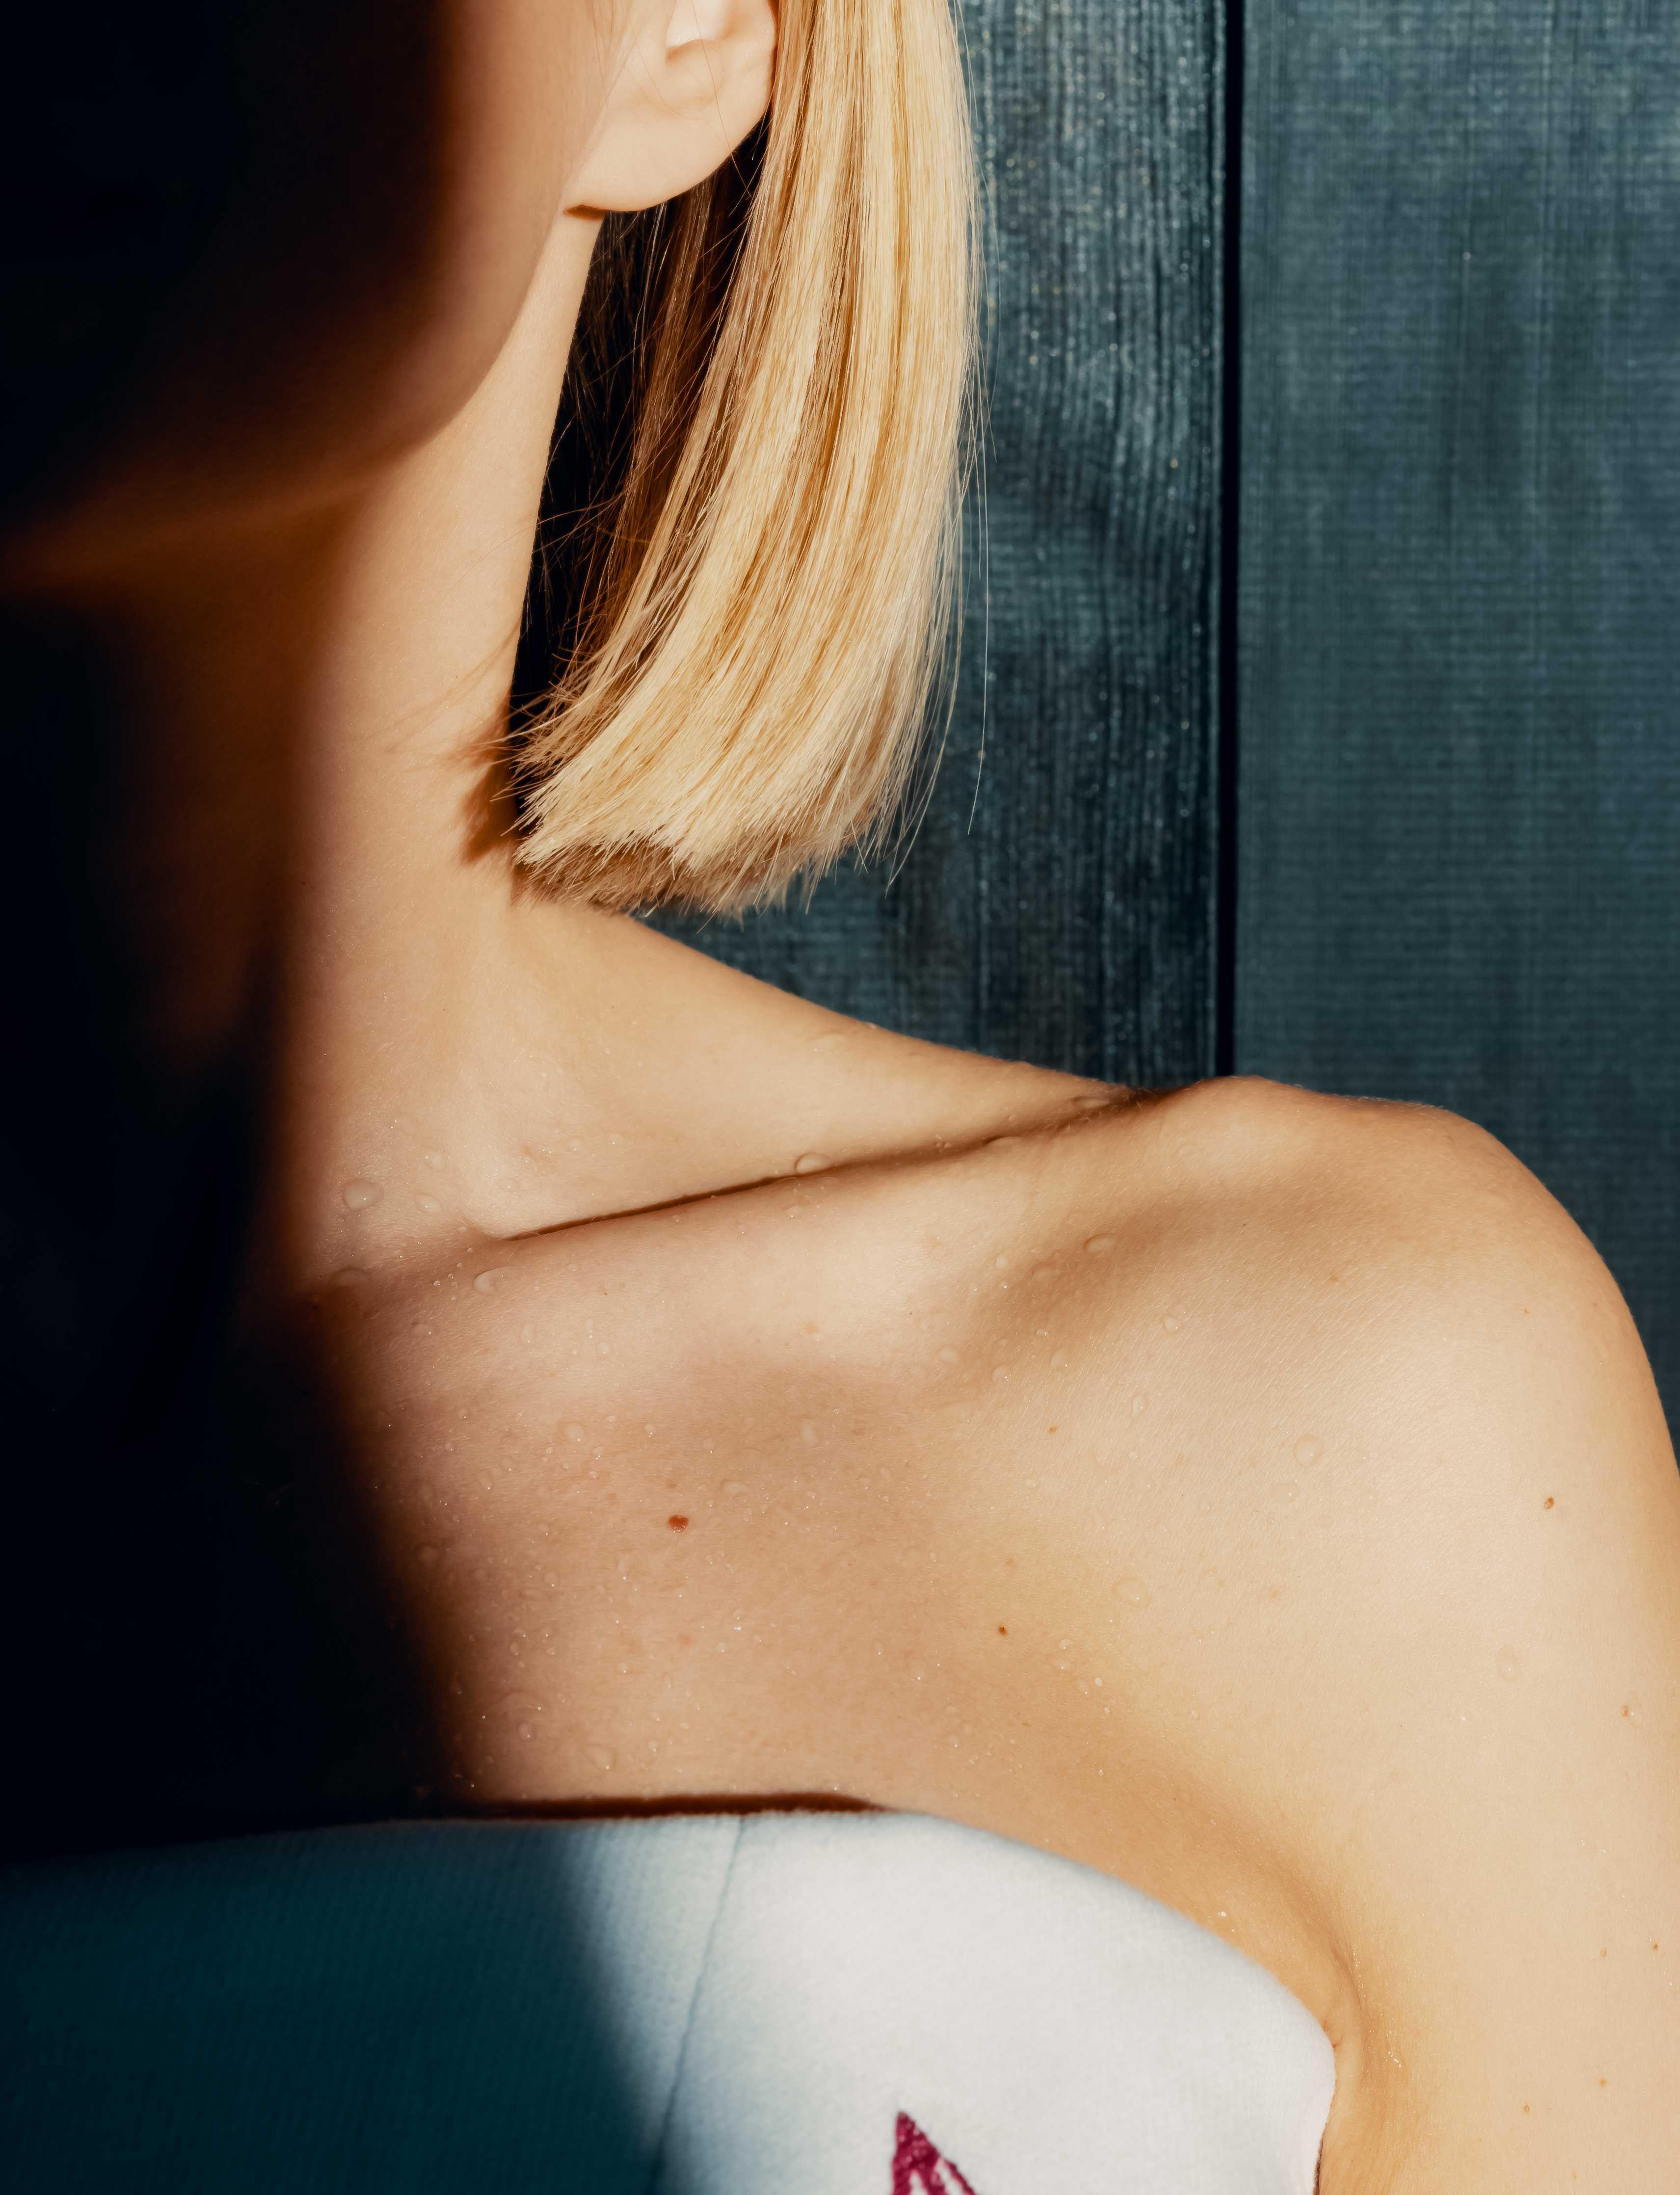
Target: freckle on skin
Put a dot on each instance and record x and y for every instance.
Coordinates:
(1003, 1633)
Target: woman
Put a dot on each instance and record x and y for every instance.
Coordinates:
(1260, 1499)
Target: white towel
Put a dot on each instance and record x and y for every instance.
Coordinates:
(778, 2003)
(896, 2004)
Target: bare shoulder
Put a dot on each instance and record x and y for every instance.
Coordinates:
(1418, 1517)
(1362, 1221)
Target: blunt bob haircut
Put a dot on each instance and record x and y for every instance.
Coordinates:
(774, 377)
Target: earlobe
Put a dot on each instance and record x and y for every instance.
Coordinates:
(693, 80)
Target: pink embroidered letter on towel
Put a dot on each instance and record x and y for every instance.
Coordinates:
(918, 2169)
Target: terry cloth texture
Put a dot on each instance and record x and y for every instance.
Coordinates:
(770, 2004)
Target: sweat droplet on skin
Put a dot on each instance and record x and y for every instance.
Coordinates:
(1134, 1592)
(1097, 1244)
(358, 1195)
(522, 1710)
(491, 1277)
(1308, 1448)
(812, 1162)
(1507, 1664)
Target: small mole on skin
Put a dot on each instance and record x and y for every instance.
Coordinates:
(1549, 1502)
(678, 1524)
(1003, 1633)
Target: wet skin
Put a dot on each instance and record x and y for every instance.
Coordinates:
(420, 1330)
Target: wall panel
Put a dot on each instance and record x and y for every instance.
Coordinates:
(1458, 628)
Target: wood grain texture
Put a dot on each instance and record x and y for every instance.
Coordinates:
(1459, 872)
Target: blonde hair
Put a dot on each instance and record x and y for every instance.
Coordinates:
(760, 595)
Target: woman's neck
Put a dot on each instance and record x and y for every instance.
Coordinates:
(291, 824)
(319, 878)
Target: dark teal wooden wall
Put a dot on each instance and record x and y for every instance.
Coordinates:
(1458, 609)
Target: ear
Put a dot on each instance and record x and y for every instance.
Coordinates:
(694, 77)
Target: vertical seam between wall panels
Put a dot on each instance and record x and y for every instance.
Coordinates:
(657, 2164)
(1227, 466)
